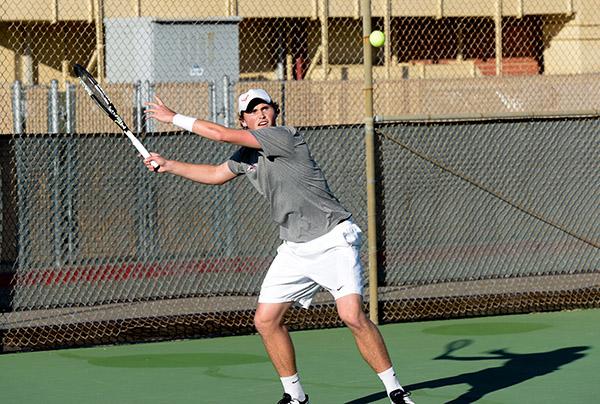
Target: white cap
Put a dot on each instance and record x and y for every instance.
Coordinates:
(251, 95)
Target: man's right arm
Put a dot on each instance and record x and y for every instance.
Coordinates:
(202, 173)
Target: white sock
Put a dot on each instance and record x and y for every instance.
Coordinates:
(389, 379)
(292, 386)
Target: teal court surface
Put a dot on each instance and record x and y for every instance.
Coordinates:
(526, 359)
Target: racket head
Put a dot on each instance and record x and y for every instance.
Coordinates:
(96, 92)
(457, 344)
(99, 96)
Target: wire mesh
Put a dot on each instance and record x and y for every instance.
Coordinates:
(475, 217)
(483, 211)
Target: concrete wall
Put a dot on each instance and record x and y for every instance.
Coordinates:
(573, 45)
(67, 10)
(334, 102)
(570, 31)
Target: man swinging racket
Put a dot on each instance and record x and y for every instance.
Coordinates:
(320, 245)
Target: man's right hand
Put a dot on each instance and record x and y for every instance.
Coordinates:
(159, 111)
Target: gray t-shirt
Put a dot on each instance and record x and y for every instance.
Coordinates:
(284, 172)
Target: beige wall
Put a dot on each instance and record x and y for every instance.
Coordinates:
(339, 102)
(50, 46)
(7, 57)
(6, 118)
(575, 46)
(48, 10)
(572, 32)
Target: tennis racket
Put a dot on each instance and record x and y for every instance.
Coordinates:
(454, 346)
(95, 91)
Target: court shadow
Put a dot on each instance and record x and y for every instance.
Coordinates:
(517, 368)
(169, 360)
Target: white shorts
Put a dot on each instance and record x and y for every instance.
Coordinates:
(331, 261)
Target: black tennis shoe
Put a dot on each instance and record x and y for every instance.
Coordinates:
(401, 397)
(287, 399)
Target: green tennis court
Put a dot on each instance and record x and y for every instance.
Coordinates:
(532, 358)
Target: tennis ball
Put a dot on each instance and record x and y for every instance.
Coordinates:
(377, 38)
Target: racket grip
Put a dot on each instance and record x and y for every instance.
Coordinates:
(141, 149)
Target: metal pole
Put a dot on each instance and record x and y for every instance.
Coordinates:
(281, 52)
(70, 108)
(370, 162)
(325, 38)
(147, 242)
(228, 205)
(282, 102)
(213, 101)
(53, 108)
(17, 100)
(69, 174)
(100, 39)
(54, 11)
(387, 23)
(498, 25)
(53, 128)
(147, 94)
(22, 198)
(139, 107)
(226, 103)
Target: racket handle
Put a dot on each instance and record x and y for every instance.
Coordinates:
(141, 149)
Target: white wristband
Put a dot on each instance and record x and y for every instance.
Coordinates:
(184, 122)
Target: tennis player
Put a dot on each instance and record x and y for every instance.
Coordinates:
(320, 245)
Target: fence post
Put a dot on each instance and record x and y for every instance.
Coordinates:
(213, 101)
(147, 94)
(17, 100)
(70, 108)
(56, 147)
(139, 108)
(324, 17)
(498, 31)
(228, 208)
(226, 103)
(370, 162)
(53, 108)
(22, 240)
(147, 245)
(70, 175)
(282, 102)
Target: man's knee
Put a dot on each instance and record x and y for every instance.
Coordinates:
(351, 312)
(268, 319)
(355, 319)
(263, 323)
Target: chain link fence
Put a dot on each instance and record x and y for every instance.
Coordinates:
(488, 212)
(486, 154)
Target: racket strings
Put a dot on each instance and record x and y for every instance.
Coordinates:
(94, 90)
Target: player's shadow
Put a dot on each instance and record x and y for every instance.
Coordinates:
(517, 368)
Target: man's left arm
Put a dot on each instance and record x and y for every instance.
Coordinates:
(209, 130)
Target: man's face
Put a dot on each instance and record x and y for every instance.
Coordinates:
(261, 116)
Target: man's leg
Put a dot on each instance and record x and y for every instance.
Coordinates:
(371, 345)
(366, 334)
(268, 321)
